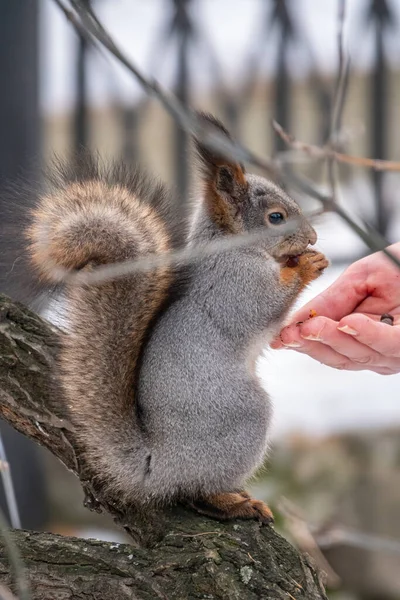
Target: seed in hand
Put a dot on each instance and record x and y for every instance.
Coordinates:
(388, 319)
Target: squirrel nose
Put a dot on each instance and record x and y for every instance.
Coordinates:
(312, 237)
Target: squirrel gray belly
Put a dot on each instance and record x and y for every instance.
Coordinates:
(205, 414)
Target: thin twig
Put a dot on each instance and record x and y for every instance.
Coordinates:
(338, 536)
(9, 488)
(5, 594)
(342, 76)
(338, 102)
(186, 117)
(179, 257)
(213, 139)
(22, 583)
(305, 540)
(323, 152)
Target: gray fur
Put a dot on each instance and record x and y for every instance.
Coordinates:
(206, 414)
(158, 370)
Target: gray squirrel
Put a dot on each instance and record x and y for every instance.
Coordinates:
(158, 368)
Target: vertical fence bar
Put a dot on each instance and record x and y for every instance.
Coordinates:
(19, 110)
(20, 153)
(381, 18)
(282, 19)
(129, 123)
(81, 116)
(182, 29)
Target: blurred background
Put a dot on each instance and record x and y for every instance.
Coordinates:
(335, 452)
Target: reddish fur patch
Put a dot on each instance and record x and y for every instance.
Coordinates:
(234, 506)
(310, 266)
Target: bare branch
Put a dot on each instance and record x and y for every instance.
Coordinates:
(17, 565)
(209, 136)
(186, 255)
(192, 552)
(342, 76)
(324, 152)
(338, 535)
(9, 487)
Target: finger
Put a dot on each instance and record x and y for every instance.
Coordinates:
(339, 299)
(293, 331)
(291, 338)
(330, 357)
(321, 329)
(388, 371)
(327, 356)
(381, 337)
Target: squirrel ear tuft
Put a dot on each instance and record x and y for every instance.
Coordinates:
(211, 159)
(225, 181)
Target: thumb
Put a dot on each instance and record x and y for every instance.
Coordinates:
(339, 299)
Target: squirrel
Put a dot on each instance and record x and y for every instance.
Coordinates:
(158, 368)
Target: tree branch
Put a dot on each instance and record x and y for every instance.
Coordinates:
(185, 555)
(324, 152)
(223, 563)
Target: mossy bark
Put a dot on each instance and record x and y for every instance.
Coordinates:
(174, 553)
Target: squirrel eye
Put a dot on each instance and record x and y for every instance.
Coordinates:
(276, 218)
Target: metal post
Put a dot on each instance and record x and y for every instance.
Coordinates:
(19, 126)
(281, 16)
(129, 127)
(181, 25)
(20, 129)
(381, 17)
(19, 112)
(81, 117)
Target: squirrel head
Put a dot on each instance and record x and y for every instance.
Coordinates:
(239, 202)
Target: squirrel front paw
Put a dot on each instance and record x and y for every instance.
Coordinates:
(308, 266)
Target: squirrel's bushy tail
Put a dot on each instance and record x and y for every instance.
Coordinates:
(102, 217)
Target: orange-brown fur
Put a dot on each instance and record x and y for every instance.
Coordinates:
(234, 505)
(310, 266)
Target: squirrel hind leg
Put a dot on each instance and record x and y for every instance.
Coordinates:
(233, 505)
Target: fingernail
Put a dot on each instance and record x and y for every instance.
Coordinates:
(292, 344)
(348, 330)
(313, 338)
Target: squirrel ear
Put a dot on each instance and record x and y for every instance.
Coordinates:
(212, 159)
(225, 181)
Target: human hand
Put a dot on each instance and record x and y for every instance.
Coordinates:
(346, 332)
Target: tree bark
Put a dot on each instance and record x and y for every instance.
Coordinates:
(175, 553)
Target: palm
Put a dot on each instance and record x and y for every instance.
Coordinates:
(340, 335)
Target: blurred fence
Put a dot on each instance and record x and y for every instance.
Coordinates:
(182, 35)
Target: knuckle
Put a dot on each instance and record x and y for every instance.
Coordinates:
(387, 371)
(315, 327)
(365, 360)
(343, 366)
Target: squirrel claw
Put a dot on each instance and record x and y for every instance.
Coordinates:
(238, 505)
